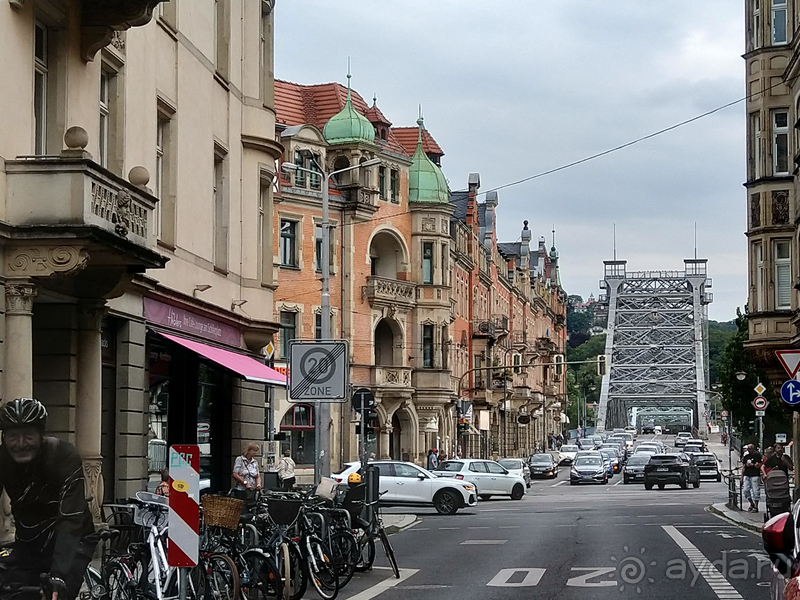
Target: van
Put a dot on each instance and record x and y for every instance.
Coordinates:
(657, 430)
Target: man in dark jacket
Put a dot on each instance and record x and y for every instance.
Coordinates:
(43, 477)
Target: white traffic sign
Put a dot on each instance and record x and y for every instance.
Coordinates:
(760, 403)
(319, 371)
(790, 359)
(780, 438)
(723, 414)
(760, 413)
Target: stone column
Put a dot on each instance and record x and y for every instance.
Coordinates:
(19, 339)
(383, 443)
(89, 406)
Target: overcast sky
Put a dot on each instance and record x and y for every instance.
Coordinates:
(511, 88)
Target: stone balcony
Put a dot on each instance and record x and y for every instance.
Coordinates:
(391, 376)
(392, 293)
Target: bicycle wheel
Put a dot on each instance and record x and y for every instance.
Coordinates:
(321, 570)
(344, 553)
(387, 548)
(118, 582)
(366, 552)
(221, 578)
(263, 580)
(286, 573)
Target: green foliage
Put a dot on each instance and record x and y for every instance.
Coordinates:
(582, 378)
(579, 322)
(719, 335)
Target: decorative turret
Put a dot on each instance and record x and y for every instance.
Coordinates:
(348, 126)
(426, 182)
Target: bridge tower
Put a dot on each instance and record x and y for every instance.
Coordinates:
(656, 344)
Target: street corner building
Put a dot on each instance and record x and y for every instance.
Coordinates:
(137, 162)
(453, 332)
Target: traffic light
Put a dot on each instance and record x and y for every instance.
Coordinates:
(463, 428)
(752, 425)
(601, 365)
(558, 361)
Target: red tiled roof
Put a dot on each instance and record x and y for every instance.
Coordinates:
(407, 136)
(297, 104)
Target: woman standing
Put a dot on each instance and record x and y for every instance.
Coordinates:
(286, 471)
(246, 473)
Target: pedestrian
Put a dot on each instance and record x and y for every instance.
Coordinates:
(777, 460)
(433, 459)
(751, 479)
(246, 473)
(163, 487)
(372, 456)
(286, 471)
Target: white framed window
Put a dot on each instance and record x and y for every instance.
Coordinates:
(780, 142)
(40, 49)
(221, 211)
(779, 28)
(104, 117)
(758, 260)
(755, 150)
(783, 274)
(756, 25)
(288, 243)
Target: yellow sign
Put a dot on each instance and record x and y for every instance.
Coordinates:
(760, 389)
(180, 486)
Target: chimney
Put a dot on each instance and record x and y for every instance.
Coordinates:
(472, 202)
(491, 205)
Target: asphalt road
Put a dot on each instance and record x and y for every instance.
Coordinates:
(575, 542)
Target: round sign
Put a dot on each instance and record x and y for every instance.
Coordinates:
(523, 419)
(556, 418)
(723, 414)
(760, 403)
(180, 486)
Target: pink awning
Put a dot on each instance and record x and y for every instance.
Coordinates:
(249, 368)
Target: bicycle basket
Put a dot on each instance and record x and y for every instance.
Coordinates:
(283, 511)
(222, 511)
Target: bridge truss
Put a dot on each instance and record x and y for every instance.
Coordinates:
(657, 343)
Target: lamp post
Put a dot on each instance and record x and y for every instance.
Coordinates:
(322, 434)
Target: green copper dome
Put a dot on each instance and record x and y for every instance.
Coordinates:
(426, 182)
(348, 126)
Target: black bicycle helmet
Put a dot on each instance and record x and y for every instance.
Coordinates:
(23, 412)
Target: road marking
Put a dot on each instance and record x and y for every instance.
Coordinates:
(422, 587)
(532, 578)
(719, 585)
(570, 525)
(384, 585)
(419, 529)
(483, 542)
(449, 528)
(616, 484)
(508, 527)
(592, 573)
(479, 527)
(494, 509)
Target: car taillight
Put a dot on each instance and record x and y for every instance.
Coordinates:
(459, 477)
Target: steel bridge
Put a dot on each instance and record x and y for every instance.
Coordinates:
(657, 344)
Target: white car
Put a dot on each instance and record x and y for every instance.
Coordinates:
(490, 478)
(406, 484)
(567, 454)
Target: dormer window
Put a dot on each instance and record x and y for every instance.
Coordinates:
(383, 134)
(299, 175)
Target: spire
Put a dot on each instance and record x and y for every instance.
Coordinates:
(348, 126)
(426, 182)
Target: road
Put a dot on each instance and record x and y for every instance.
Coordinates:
(576, 542)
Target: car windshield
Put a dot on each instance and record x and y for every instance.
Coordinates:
(609, 453)
(569, 448)
(664, 458)
(705, 456)
(509, 463)
(692, 448)
(344, 468)
(638, 460)
(588, 461)
(450, 465)
(538, 458)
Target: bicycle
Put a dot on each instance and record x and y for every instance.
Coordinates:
(367, 517)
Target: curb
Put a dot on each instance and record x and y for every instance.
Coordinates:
(744, 525)
(392, 529)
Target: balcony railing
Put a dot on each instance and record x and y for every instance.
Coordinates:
(64, 191)
(391, 292)
(484, 329)
(391, 376)
(501, 324)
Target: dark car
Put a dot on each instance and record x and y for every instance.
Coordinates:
(542, 465)
(708, 465)
(589, 469)
(634, 468)
(679, 469)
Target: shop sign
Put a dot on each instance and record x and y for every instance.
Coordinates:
(190, 323)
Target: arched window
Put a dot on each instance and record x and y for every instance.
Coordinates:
(298, 424)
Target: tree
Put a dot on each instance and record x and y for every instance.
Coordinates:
(719, 334)
(582, 377)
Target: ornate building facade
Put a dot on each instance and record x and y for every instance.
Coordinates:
(415, 271)
(136, 169)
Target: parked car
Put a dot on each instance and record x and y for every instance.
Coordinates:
(588, 469)
(679, 469)
(708, 465)
(542, 465)
(568, 453)
(634, 468)
(517, 466)
(681, 438)
(489, 477)
(406, 484)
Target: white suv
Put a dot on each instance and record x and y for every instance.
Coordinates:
(406, 484)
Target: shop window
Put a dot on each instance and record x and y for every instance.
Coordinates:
(298, 424)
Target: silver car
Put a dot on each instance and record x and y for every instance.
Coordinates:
(489, 477)
(517, 466)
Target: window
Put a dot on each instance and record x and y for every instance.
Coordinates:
(755, 151)
(298, 422)
(265, 227)
(318, 247)
(494, 468)
(758, 259)
(394, 184)
(221, 36)
(780, 142)
(516, 360)
(783, 274)
(427, 346)
(315, 178)
(221, 212)
(382, 182)
(288, 243)
(477, 381)
(756, 32)
(267, 66)
(407, 471)
(288, 331)
(161, 125)
(299, 175)
(427, 262)
(164, 221)
(478, 467)
(40, 50)
(779, 22)
(104, 118)
(318, 326)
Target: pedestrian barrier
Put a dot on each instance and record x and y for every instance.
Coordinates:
(732, 479)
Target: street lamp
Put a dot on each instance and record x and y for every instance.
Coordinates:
(322, 434)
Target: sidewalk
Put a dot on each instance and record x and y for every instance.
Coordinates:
(751, 521)
(397, 522)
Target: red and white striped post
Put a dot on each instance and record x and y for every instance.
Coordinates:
(184, 509)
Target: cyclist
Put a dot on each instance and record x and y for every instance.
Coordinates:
(43, 477)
